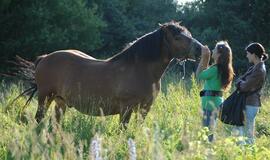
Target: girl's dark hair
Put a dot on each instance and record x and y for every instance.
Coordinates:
(258, 50)
(224, 64)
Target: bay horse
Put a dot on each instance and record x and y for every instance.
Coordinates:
(121, 84)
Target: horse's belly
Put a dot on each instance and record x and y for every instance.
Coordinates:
(95, 107)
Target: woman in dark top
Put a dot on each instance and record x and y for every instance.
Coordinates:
(251, 81)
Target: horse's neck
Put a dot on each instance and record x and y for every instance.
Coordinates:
(145, 48)
(158, 67)
(156, 70)
(147, 53)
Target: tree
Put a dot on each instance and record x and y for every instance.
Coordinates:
(127, 19)
(238, 21)
(31, 27)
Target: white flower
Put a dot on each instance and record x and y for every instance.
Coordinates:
(132, 149)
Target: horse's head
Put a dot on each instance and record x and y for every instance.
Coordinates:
(179, 42)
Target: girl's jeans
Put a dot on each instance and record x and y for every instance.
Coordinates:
(210, 120)
(248, 130)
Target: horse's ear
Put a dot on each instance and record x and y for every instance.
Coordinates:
(164, 29)
(176, 22)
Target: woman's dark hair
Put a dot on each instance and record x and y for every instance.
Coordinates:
(224, 64)
(258, 50)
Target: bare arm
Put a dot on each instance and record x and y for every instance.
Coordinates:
(205, 58)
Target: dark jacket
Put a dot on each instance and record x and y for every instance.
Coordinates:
(252, 80)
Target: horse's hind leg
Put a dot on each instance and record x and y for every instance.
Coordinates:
(43, 105)
(60, 108)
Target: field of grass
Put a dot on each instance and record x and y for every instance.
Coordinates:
(172, 130)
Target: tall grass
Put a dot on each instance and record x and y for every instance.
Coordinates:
(172, 130)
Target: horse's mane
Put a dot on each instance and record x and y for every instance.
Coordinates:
(146, 48)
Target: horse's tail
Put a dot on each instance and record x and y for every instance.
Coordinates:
(25, 70)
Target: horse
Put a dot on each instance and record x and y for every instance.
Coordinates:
(126, 82)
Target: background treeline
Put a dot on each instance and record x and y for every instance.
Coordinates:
(103, 27)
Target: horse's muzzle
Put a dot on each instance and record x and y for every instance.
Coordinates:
(195, 49)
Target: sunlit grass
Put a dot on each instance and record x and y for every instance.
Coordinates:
(172, 130)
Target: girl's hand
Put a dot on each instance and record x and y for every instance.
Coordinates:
(205, 52)
(205, 58)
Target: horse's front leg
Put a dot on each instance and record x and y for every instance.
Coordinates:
(125, 115)
(143, 111)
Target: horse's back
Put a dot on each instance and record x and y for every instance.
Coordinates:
(65, 58)
(76, 53)
(56, 69)
(63, 55)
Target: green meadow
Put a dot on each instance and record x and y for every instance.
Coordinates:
(172, 130)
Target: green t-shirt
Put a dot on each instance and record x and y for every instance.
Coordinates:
(212, 82)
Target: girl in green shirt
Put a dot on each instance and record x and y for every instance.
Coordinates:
(217, 78)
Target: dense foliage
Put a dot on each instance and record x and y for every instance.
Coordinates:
(102, 28)
(238, 21)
